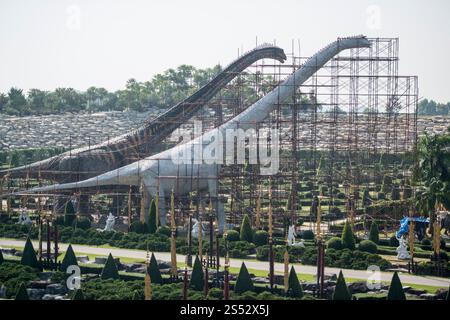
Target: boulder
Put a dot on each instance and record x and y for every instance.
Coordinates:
(428, 296)
(416, 292)
(358, 287)
(38, 284)
(9, 251)
(164, 264)
(102, 260)
(83, 259)
(53, 297)
(55, 288)
(35, 294)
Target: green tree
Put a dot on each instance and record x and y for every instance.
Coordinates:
(78, 295)
(110, 270)
(197, 276)
(69, 259)
(22, 293)
(341, 291)
(374, 233)
(69, 214)
(137, 295)
(295, 288)
(29, 256)
(17, 103)
(348, 238)
(243, 281)
(396, 289)
(152, 218)
(246, 233)
(153, 271)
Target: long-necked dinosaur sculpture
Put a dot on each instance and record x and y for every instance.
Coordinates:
(160, 174)
(86, 162)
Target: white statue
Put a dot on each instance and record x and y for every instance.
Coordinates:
(291, 238)
(24, 219)
(196, 228)
(402, 250)
(110, 221)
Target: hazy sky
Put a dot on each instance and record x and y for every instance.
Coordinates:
(57, 43)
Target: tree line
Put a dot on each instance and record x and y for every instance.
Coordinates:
(432, 108)
(162, 91)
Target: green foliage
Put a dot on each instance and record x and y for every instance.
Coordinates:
(374, 233)
(82, 223)
(137, 295)
(448, 294)
(395, 193)
(197, 276)
(69, 214)
(393, 242)
(152, 218)
(139, 227)
(334, 243)
(29, 256)
(110, 270)
(246, 233)
(69, 259)
(164, 230)
(396, 289)
(341, 291)
(22, 293)
(215, 294)
(368, 246)
(243, 281)
(233, 235)
(12, 275)
(1, 257)
(295, 288)
(78, 295)
(431, 108)
(261, 238)
(348, 238)
(307, 235)
(153, 271)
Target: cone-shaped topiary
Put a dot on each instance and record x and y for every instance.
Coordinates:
(197, 276)
(448, 294)
(78, 295)
(69, 214)
(22, 293)
(243, 281)
(137, 295)
(246, 233)
(348, 239)
(69, 259)
(1, 257)
(110, 270)
(341, 291)
(152, 218)
(374, 233)
(396, 289)
(295, 288)
(29, 256)
(153, 271)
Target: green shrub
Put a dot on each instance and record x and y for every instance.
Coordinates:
(22, 293)
(246, 233)
(348, 238)
(153, 271)
(152, 218)
(262, 253)
(261, 238)
(164, 230)
(396, 289)
(215, 294)
(12, 275)
(334, 243)
(341, 291)
(197, 276)
(110, 270)
(243, 282)
(381, 196)
(69, 214)
(295, 289)
(78, 295)
(247, 295)
(233, 235)
(307, 235)
(139, 227)
(69, 259)
(374, 233)
(82, 223)
(393, 242)
(368, 246)
(29, 256)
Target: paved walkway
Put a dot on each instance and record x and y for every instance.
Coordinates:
(251, 264)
